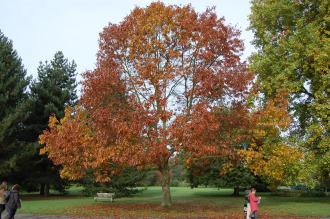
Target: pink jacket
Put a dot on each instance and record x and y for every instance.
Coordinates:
(254, 201)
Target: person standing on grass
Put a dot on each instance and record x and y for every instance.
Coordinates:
(254, 202)
(247, 209)
(14, 201)
(3, 196)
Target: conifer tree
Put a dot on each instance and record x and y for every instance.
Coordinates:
(54, 89)
(13, 95)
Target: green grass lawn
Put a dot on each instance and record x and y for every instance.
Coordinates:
(206, 202)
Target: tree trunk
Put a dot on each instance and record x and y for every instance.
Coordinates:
(42, 189)
(46, 194)
(236, 191)
(165, 182)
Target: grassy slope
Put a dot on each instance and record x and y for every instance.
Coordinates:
(207, 201)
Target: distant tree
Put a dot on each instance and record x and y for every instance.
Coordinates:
(54, 89)
(293, 52)
(204, 173)
(212, 173)
(238, 177)
(13, 96)
(178, 175)
(122, 184)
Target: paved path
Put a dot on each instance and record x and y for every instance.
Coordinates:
(28, 216)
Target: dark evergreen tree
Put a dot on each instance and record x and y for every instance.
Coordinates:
(13, 96)
(54, 89)
(209, 173)
(122, 184)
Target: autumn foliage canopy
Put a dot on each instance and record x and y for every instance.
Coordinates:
(168, 81)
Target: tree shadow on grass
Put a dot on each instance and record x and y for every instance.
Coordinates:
(31, 197)
(213, 194)
(275, 200)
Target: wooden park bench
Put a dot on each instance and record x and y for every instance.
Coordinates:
(104, 196)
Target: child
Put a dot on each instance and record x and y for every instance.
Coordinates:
(254, 202)
(14, 201)
(247, 209)
(3, 195)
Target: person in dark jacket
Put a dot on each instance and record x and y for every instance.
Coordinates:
(13, 202)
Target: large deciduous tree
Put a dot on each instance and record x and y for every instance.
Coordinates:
(13, 96)
(293, 44)
(164, 76)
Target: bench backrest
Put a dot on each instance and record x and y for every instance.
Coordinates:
(104, 195)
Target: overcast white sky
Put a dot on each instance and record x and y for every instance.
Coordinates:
(39, 28)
